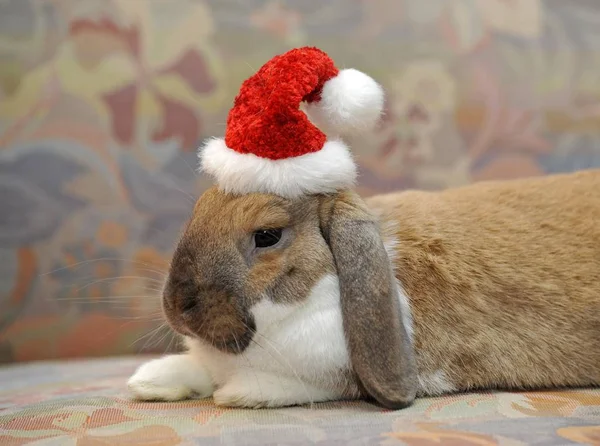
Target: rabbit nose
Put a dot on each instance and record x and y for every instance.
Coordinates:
(188, 304)
(189, 300)
(180, 295)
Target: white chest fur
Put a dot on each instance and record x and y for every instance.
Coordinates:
(303, 341)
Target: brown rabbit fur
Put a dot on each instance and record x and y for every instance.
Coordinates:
(503, 279)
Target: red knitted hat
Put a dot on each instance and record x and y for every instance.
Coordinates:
(270, 144)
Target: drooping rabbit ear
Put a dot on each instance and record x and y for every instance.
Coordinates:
(380, 350)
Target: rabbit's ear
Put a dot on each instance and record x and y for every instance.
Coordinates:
(379, 346)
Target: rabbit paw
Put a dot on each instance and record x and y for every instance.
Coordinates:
(171, 378)
(259, 390)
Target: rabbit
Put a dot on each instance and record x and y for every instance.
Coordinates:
(282, 302)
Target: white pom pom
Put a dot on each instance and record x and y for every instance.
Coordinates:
(350, 102)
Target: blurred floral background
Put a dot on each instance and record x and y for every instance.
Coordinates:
(103, 104)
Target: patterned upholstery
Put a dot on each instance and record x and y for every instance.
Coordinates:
(85, 403)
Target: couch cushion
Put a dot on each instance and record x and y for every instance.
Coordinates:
(86, 403)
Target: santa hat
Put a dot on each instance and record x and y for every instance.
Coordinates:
(271, 146)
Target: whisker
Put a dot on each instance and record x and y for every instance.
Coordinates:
(212, 336)
(161, 340)
(176, 187)
(188, 164)
(163, 274)
(158, 318)
(106, 279)
(102, 298)
(151, 333)
(100, 259)
(173, 339)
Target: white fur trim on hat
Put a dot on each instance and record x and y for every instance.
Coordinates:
(350, 102)
(328, 170)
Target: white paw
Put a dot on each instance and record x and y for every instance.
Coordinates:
(249, 388)
(258, 389)
(146, 390)
(171, 378)
(231, 396)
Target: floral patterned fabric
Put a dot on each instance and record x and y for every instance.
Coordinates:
(104, 102)
(86, 404)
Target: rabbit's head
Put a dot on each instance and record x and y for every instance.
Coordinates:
(282, 216)
(240, 251)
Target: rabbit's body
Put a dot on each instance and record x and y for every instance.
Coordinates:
(503, 280)
(498, 286)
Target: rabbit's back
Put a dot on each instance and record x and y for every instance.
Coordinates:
(503, 280)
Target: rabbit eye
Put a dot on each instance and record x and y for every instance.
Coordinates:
(267, 237)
